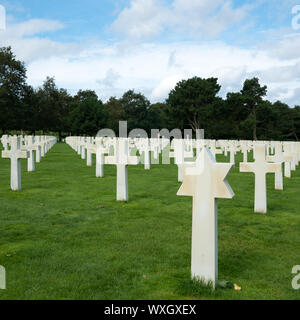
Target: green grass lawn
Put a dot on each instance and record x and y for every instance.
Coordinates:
(65, 237)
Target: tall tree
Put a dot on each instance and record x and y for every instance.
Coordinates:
(296, 123)
(85, 94)
(231, 120)
(12, 85)
(30, 107)
(266, 121)
(253, 94)
(192, 100)
(135, 106)
(157, 117)
(88, 116)
(115, 112)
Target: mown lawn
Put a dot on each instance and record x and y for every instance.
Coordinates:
(65, 237)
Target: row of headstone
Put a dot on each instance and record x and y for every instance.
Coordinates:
(108, 151)
(32, 148)
(201, 175)
(203, 178)
(111, 150)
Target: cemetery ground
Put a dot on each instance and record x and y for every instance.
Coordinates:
(64, 236)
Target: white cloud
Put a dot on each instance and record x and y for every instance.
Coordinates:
(28, 45)
(210, 18)
(288, 94)
(287, 47)
(110, 80)
(146, 68)
(155, 68)
(32, 27)
(281, 74)
(144, 18)
(149, 18)
(165, 86)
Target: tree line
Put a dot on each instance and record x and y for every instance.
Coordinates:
(193, 103)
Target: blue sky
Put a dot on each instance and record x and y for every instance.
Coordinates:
(149, 45)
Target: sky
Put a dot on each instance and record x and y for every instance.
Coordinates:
(150, 45)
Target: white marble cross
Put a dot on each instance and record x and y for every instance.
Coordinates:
(15, 154)
(260, 167)
(179, 158)
(188, 148)
(245, 149)
(78, 139)
(89, 158)
(295, 161)
(232, 150)
(178, 154)
(199, 145)
(30, 147)
(83, 146)
(43, 146)
(99, 150)
(205, 183)
(122, 159)
(145, 149)
(155, 146)
(5, 141)
(278, 157)
(38, 149)
(214, 149)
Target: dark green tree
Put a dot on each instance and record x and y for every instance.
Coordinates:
(135, 106)
(232, 118)
(253, 94)
(87, 116)
(191, 102)
(157, 117)
(85, 94)
(30, 107)
(12, 85)
(266, 121)
(115, 113)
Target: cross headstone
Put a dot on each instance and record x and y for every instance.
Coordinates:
(155, 146)
(89, 158)
(295, 161)
(43, 146)
(38, 144)
(200, 144)
(145, 149)
(278, 157)
(99, 150)
(122, 159)
(214, 149)
(245, 149)
(178, 154)
(30, 147)
(287, 164)
(179, 158)
(188, 148)
(78, 143)
(15, 154)
(206, 182)
(83, 147)
(260, 167)
(232, 150)
(5, 141)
